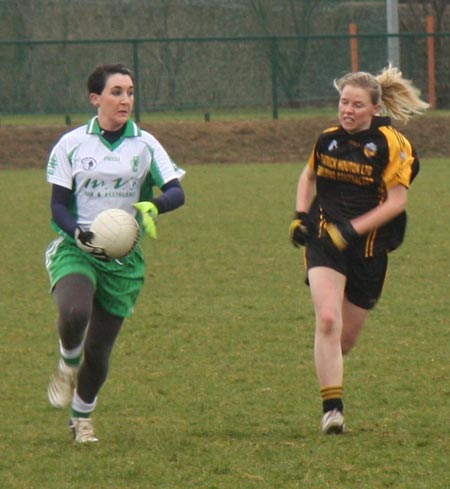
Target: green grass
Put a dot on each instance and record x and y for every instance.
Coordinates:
(169, 116)
(212, 383)
(182, 116)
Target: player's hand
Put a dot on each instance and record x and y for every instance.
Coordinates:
(84, 242)
(149, 213)
(302, 229)
(340, 235)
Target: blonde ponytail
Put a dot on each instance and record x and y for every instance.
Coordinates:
(399, 97)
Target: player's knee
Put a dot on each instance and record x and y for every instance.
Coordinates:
(328, 323)
(76, 315)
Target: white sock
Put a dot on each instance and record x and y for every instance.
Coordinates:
(73, 353)
(82, 407)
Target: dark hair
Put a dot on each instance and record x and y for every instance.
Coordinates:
(97, 79)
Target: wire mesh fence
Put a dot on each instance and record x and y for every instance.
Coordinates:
(205, 73)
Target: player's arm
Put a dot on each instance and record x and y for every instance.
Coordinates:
(341, 235)
(166, 175)
(171, 198)
(394, 205)
(59, 204)
(306, 189)
(303, 227)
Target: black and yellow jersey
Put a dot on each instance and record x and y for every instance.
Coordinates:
(354, 173)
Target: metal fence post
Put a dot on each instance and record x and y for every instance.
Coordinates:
(274, 58)
(137, 82)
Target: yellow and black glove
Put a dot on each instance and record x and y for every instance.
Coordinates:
(339, 236)
(302, 229)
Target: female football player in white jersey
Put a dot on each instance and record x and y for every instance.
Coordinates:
(350, 213)
(107, 163)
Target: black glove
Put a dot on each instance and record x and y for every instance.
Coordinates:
(302, 229)
(84, 242)
(339, 235)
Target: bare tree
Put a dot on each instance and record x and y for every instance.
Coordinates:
(419, 10)
(24, 56)
(415, 13)
(170, 54)
(287, 17)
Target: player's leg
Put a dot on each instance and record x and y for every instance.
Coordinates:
(73, 295)
(327, 290)
(100, 338)
(118, 287)
(354, 318)
(365, 279)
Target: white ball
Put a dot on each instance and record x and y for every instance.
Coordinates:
(116, 231)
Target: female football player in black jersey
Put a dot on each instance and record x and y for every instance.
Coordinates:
(350, 213)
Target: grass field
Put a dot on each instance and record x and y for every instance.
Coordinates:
(169, 116)
(256, 114)
(212, 383)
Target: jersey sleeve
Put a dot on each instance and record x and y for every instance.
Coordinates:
(59, 169)
(312, 159)
(403, 163)
(162, 168)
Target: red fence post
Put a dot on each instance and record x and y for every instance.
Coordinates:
(431, 54)
(353, 31)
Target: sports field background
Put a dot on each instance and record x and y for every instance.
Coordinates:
(212, 382)
(241, 136)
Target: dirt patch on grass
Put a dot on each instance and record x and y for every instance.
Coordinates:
(223, 142)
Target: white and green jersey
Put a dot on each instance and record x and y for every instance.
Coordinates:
(105, 176)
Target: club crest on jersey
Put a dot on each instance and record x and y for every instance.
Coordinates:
(333, 145)
(370, 150)
(135, 163)
(88, 163)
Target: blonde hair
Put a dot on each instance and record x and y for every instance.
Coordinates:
(397, 96)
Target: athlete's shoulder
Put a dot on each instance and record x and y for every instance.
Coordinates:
(330, 130)
(73, 137)
(395, 138)
(328, 134)
(160, 157)
(78, 132)
(148, 138)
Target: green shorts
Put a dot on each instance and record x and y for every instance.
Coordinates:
(117, 283)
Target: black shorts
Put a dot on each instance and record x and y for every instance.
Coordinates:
(365, 276)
